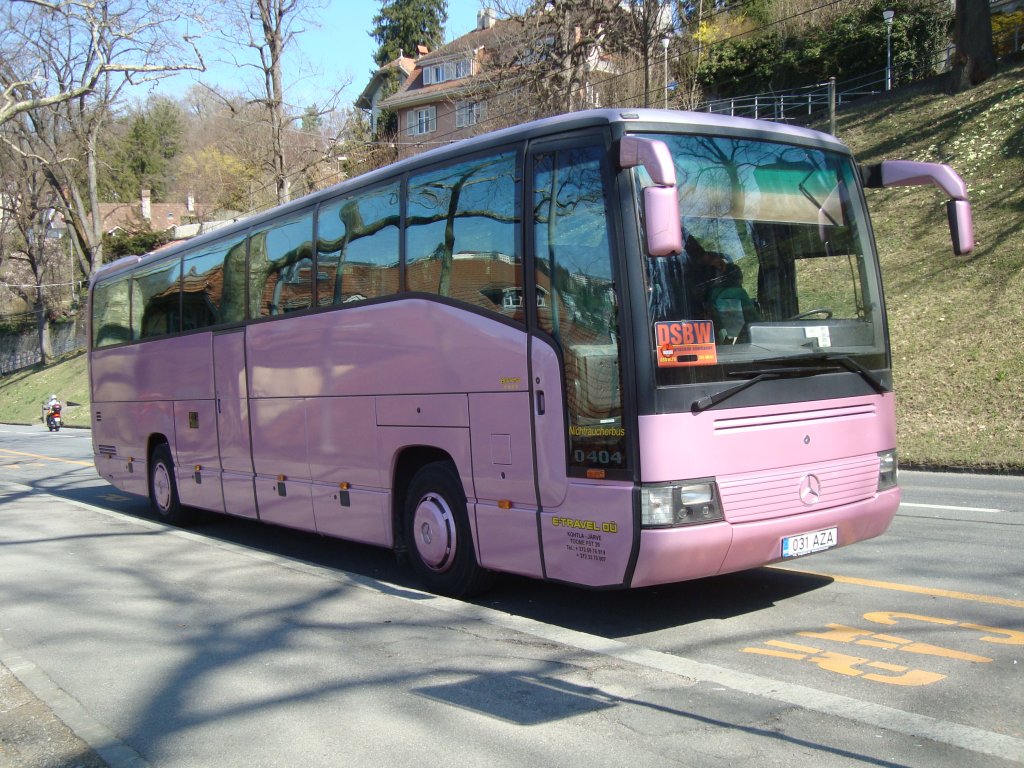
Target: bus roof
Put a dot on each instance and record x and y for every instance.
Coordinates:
(622, 119)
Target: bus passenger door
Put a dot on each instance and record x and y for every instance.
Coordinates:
(232, 406)
(583, 475)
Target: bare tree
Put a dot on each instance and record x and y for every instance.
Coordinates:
(24, 84)
(267, 29)
(27, 208)
(272, 16)
(554, 53)
(225, 142)
(975, 60)
(61, 45)
(639, 36)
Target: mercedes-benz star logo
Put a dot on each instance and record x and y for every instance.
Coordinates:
(810, 490)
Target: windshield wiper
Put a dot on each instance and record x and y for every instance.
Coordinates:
(847, 362)
(767, 374)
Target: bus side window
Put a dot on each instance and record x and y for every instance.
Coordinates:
(110, 313)
(213, 286)
(155, 300)
(280, 267)
(460, 235)
(357, 246)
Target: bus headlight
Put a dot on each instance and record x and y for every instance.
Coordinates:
(662, 506)
(887, 471)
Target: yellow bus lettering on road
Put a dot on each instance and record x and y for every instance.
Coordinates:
(1008, 636)
(843, 634)
(843, 664)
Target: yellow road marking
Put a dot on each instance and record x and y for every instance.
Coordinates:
(843, 664)
(1009, 636)
(46, 458)
(843, 634)
(933, 591)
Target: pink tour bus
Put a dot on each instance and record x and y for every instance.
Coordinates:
(611, 349)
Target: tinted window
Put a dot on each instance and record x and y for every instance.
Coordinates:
(460, 234)
(357, 247)
(213, 286)
(156, 300)
(577, 298)
(281, 266)
(110, 312)
(777, 261)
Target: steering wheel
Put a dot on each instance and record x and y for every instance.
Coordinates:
(819, 311)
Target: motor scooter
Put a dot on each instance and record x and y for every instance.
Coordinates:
(53, 420)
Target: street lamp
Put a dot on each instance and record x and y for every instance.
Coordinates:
(887, 17)
(664, 48)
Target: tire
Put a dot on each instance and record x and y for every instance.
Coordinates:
(438, 536)
(163, 489)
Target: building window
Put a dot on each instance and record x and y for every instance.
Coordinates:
(434, 74)
(421, 121)
(468, 113)
(447, 70)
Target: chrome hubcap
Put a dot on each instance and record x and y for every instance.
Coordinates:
(434, 534)
(161, 488)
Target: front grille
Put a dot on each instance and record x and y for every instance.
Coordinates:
(790, 491)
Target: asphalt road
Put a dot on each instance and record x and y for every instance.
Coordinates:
(240, 644)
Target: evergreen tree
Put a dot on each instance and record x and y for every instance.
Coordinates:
(154, 139)
(139, 150)
(401, 25)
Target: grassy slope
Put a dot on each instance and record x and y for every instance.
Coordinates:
(957, 324)
(22, 394)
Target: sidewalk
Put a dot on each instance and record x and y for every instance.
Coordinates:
(31, 736)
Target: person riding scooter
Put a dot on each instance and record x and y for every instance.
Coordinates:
(53, 419)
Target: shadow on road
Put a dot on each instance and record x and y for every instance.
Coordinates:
(606, 613)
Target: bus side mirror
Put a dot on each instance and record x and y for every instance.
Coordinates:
(661, 204)
(961, 226)
(904, 173)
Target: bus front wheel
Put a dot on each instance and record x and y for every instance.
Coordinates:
(438, 536)
(163, 489)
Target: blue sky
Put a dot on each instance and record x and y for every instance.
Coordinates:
(340, 51)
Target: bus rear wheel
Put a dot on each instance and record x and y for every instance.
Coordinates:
(437, 533)
(163, 489)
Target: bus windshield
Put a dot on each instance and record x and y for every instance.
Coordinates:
(777, 263)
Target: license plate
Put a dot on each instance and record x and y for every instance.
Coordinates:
(805, 543)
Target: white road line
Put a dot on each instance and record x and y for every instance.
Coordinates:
(876, 715)
(946, 506)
